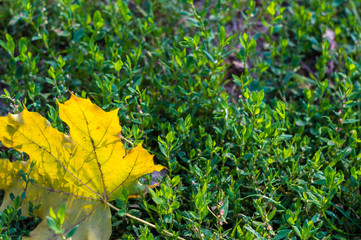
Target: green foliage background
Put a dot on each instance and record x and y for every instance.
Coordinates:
(254, 106)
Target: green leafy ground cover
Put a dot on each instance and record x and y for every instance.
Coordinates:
(253, 106)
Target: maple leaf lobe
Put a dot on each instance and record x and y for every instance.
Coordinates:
(82, 169)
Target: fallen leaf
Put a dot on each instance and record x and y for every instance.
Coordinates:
(86, 169)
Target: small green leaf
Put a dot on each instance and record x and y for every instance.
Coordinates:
(98, 21)
(124, 10)
(52, 213)
(118, 65)
(71, 232)
(196, 39)
(222, 35)
(61, 213)
(271, 9)
(3, 44)
(281, 109)
(209, 56)
(10, 44)
(179, 62)
(22, 45)
(52, 224)
(60, 61)
(348, 121)
(158, 201)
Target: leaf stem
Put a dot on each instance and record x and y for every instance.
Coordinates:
(125, 139)
(214, 214)
(143, 221)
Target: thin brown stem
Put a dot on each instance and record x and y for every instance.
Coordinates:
(213, 213)
(143, 221)
(63, 192)
(128, 141)
(84, 218)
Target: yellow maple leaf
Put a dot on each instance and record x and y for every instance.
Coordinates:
(86, 169)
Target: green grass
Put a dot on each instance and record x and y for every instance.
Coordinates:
(253, 106)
